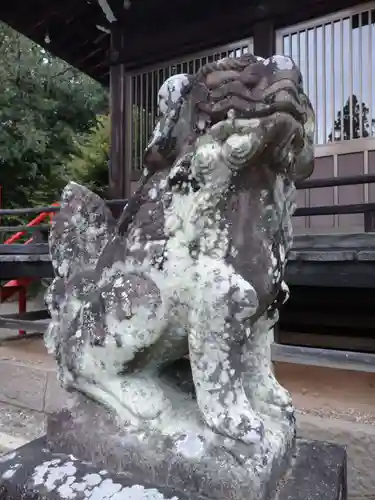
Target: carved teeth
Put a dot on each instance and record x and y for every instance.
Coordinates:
(201, 123)
(231, 114)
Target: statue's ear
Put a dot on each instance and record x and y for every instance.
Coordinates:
(304, 165)
(80, 231)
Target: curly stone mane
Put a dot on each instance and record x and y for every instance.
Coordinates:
(250, 87)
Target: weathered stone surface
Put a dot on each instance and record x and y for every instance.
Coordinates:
(199, 266)
(318, 472)
(184, 454)
(359, 442)
(358, 438)
(34, 473)
(195, 265)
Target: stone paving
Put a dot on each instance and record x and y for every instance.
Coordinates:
(28, 391)
(28, 376)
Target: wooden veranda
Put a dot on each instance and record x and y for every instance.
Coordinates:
(132, 46)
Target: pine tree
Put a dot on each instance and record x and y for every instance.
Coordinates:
(342, 126)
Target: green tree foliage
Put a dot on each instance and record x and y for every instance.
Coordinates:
(45, 108)
(89, 166)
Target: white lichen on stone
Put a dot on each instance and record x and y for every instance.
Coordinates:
(140, 307)
(61, 478)
(8, 456)
(8, 474)
(282, 62)
(170, 91)
(190, 446)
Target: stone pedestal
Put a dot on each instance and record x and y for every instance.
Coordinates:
(181, 452)
(89, 453)
(33, 472)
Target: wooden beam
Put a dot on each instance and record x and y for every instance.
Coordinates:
(370, 221)
(121, 122)
(349, 274)
(21, 249)
(314, 319)
(264, 38)
(210, 28)
(165, 36)
(329, 358)
(29, 269)
(39, 326)
(341, 341)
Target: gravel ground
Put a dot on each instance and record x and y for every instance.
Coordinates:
(22, 425)
(348, 414)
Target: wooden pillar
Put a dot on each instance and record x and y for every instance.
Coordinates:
(369, 218)
(120, 168)
(264, 39)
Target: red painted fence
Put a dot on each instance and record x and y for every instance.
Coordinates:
(20, 285)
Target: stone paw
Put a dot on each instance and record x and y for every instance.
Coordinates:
(242, 426)
(271, 393)
(143, 397)
(280, 396)
(278, 413)
(275, 402)
(288, 413)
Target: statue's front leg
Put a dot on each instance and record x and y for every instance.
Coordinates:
(266, 394)
(216, 365)
(215, 342)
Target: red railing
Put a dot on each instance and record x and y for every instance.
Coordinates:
(20, 285)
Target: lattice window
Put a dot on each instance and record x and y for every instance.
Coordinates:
(336, 55)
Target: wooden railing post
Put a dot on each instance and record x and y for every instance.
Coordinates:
(22, 304)
(369, 217)
(120, 168)
(264, 39)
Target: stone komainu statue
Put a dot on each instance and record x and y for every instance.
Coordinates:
(196, 263)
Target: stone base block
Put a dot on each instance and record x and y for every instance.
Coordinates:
(178, 451)
(33, 472)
